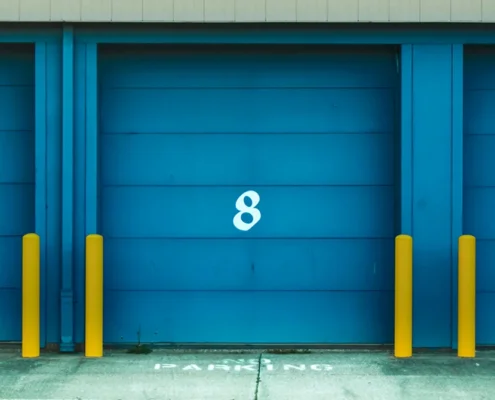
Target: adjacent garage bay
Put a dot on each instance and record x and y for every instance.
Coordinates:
(479, 180)
(16, 178)
(309, 132)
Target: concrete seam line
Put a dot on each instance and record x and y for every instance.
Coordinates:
(258, 377)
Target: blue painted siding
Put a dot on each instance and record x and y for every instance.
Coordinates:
(428, 203)
(184, 132)
(17, 177)
(479, 179)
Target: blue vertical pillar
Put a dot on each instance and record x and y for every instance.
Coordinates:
(54, 186)
(40, 172)
(457, 171)
(91, 139)
(430, 133)
(79, 187)
(67, 292)
(85, 167)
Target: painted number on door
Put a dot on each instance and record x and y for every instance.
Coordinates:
(245, 209)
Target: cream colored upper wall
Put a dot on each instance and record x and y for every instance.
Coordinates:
(248, 10)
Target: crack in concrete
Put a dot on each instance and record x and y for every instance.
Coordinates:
(258, 378)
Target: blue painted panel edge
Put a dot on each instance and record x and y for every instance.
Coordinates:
(79, 187)
(54, 196)
(406, 140)
(289, 33)
(457, 171)
(264, 33)
(11, 32)
(67, 294)
(91, 140)
(388, 33)
(40, 174)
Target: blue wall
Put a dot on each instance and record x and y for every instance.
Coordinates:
(16, 175)
(479, 179)
(431, 170)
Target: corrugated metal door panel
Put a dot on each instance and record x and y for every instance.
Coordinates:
(479, 180)
(186, 131)
(16, 178)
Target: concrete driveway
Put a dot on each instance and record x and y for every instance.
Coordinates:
(247, 375)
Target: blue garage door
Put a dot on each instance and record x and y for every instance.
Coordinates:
(247, 194)
(16, 178)
(479, 180)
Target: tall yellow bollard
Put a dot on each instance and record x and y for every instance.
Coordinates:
(30, 295)
(403, 296)
(94, 296)
(467, 297)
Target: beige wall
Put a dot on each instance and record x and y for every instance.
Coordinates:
(249, 10)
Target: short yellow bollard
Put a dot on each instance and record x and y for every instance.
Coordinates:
(467, 297)
(403, 296)
(30, 295)
(94, 296)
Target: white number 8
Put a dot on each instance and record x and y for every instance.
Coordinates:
(244, 209)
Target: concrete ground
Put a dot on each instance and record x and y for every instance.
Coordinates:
(250, 375)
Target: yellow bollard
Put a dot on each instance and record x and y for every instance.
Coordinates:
(467, 297)
(94, 296)
(403, 296)
(30, 295)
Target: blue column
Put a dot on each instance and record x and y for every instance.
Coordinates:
(431, 130)
(40, 172)
(91, 140)
(457, 170)
(67, 292)
(54, 186)
(85, 167)
(79, 187)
